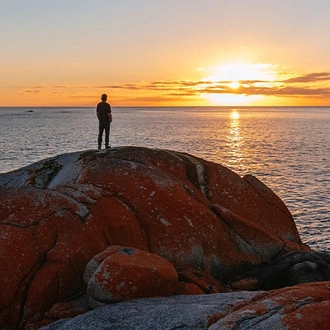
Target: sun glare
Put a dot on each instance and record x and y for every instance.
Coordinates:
(225, 80)
(238, 72)
(234, 115)
(234, 85)
(231, 99)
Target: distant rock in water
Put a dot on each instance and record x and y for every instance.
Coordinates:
(147, 222)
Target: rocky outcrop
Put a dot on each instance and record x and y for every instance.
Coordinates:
(58, 214)
(120, 273)
(304, 306)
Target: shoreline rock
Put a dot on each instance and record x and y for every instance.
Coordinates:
(304, 306)
(210, 224)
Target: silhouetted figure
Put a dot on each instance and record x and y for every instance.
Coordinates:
(103, 112)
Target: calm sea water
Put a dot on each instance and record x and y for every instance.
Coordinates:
(286, 148)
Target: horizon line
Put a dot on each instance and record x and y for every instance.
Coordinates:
(168, 106)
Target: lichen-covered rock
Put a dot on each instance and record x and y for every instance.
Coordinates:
(204, 281)
(123, 273)
(57, 214)
(305, 306)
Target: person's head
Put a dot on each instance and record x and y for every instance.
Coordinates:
(104, 97)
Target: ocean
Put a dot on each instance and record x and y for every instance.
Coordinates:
(287, 148)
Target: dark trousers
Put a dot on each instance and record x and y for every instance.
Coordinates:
(104, 126)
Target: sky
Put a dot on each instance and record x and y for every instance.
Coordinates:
(165, 52)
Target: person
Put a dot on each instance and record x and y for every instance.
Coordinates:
(104, 115)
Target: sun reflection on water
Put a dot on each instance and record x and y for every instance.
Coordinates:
(234, 115)
(235, 143)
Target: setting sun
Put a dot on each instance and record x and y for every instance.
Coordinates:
(234, 85)
(229, 84)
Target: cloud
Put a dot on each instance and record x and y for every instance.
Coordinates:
(39, 86)
(300, 91)
(289, 91)
(168, 98)
(31, 92)
(64, 86)
(311, 77)
(311, 84)
(316, 84)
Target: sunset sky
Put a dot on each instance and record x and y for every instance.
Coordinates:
(164, 52)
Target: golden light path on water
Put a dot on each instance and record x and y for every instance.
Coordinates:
(235, 142)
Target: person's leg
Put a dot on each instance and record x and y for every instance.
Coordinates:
(107, 134)
(99, 140)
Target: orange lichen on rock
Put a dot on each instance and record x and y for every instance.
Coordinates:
(57, 214)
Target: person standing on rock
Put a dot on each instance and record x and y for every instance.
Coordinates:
(104, 115)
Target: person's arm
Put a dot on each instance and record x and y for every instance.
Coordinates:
(97, 113)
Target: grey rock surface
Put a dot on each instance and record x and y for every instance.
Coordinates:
(177, 312)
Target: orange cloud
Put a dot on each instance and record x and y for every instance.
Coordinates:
(312, 77)
(311, 86)
(292, 87)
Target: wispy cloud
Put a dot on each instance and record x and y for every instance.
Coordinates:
(312, 84)
(315, 85)
(28, 91)
(312, 77)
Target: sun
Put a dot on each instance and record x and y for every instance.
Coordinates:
(228, 84)
(234, 85)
